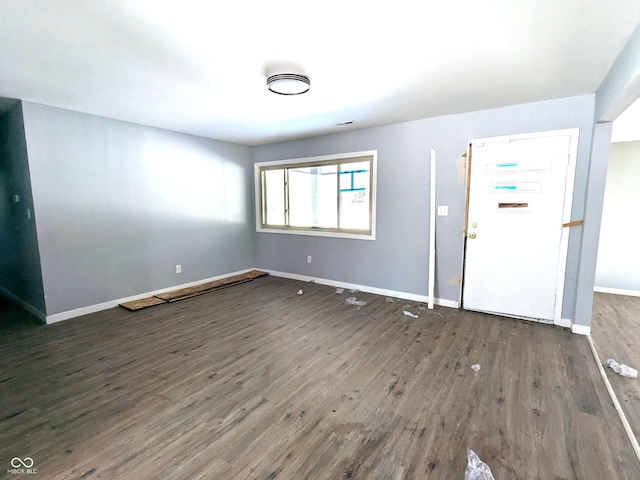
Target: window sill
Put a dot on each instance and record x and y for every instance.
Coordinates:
(319, 233)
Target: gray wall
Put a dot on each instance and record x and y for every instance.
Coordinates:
(398, 258)
(621, 86)
(20, 272)
(618, 260)
(119, 205)
(619, 89)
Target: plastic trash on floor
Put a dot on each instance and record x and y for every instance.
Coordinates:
(476, 468)
(340, 290)
(355, 301)
(475, 367)
(622, 369)
(388, 300)
(409, 314)
(299, 292)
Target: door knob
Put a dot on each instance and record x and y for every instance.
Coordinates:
(472, 235)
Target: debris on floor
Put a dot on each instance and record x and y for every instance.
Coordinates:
(440, 314)
(340, 290)
(354, 290)
(475, 367)
(420, 307)
(622, 369)
(409, 314)
(299, 292)
(388, 300)
(476, 468)
(355, 301)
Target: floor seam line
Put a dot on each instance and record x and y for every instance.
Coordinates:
(614, 399)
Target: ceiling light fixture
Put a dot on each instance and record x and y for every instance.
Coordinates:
(288, 83)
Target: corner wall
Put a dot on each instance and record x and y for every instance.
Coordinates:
(20, 273)
(119, 205)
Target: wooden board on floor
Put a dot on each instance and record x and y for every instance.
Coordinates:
(210, 286)
(142, 303)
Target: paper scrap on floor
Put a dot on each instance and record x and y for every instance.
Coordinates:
(476, 468)
(355, 301)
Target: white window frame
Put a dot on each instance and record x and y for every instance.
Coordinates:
(316, 232)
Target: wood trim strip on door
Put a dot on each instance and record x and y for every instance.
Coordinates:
(575, 223)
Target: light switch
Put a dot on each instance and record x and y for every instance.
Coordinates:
(443, 210)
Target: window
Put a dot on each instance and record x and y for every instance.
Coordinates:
(329, 196)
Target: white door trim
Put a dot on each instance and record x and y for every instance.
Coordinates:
(566, 213)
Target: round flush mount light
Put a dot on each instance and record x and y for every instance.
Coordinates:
(288, 83)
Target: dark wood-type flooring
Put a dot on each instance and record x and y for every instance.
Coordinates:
(255, 381)
(615, 329)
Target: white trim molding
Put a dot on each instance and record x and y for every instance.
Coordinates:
(59, 317)
(21, 303)
(581, 329)
(364, 288)
(564, 322)
(574, 327)
(617, 291)
(311, 231)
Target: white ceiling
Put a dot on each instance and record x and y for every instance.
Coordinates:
(199, 67)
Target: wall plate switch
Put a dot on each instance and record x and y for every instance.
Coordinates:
(443, 210)
(308, 258)
(178, 268)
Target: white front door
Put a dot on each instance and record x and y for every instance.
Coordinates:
(514, 257)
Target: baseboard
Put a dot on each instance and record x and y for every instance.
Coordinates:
(580, 329)
(365, 288)
(59, 317)
(575, 328)
(21, 303)
(617, 291)
(564, 322)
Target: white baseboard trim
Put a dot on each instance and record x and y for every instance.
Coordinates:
(580, 329)
(18, 301)
(564, 322)
(364, 288)
(59, 317)
(617, 291)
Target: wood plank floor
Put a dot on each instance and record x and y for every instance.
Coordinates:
(615, 329)
(256, 382)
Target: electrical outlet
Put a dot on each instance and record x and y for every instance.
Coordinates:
(308, 258)
(178, 268)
